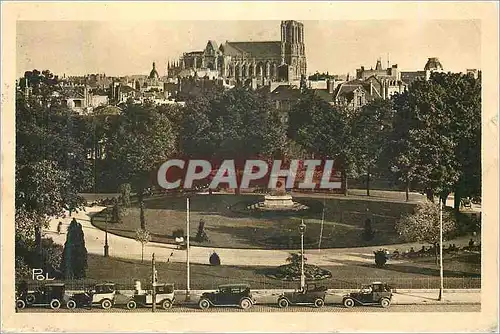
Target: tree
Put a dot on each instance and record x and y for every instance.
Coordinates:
(238, 124)
(403, 148)
(140, 140)
(324, 131)
(51, 131)
(125, 194)
(74, 259)
(51, 164)
(117, 212)
(435, 143)
(142, 217)
(423, 225)
(42, 191)
(201, 235)
(372, 127)
(142, 236)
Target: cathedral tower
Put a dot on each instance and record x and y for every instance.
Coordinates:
(293, 49)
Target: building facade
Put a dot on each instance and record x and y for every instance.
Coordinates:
(242, 62)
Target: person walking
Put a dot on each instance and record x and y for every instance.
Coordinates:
(59, 227)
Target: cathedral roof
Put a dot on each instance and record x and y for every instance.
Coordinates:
(253, 49)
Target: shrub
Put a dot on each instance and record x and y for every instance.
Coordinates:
(178, 233)
(380, 258)
(214, 259)
(23, 271)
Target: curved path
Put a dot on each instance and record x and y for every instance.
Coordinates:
(130, 249)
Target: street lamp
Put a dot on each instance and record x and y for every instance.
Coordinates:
(302, 230)
(106, 246)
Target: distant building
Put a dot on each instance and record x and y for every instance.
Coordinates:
(474, 72)
(433, 65)
(284, 97)
(379, 72)
(238, 62)
(355, 93)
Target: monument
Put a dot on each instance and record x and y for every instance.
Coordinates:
(278, 200)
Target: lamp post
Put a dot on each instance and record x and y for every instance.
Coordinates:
(153, 282)
(188, 276)
(441, 286)
(106, 246)
(302, 230)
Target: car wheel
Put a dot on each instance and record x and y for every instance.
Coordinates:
(319, 302)
(20, 304)
(55, 304)
(71, 304)
(30, 299)
(283, 303)
(166, 304)
(348, 302)
(245, 303)
(106, 304)
(385, 302)
(131, 304)
(204, 304)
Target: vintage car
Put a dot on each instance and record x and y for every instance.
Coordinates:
(310, 295)
(228, 295)
(164, 297)
(101, 294)
(52, 295)
(376, 293)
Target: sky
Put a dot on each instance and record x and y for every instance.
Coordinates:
(119, 48)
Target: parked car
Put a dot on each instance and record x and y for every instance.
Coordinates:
(164, 297)
(52, 295)
(310, 295)
(376, 293)
(101, 294)
(228, 295)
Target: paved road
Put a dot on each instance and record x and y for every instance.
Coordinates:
(272, 308)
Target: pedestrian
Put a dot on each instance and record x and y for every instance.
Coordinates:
(59, 227)
(471, 243)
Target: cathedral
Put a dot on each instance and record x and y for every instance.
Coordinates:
(241, 62)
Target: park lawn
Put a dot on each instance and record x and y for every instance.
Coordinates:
(460, 272)
(228, 225)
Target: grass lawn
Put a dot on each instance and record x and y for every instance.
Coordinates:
(229, 224)
(461, 271)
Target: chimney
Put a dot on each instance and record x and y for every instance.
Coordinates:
(371, 87)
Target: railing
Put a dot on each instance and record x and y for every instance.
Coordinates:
(268, 283)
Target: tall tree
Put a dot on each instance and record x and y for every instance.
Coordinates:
(238, 124)
(372, 127)
(74, 259)
(140, 140)
(325, 131)
(436, 135)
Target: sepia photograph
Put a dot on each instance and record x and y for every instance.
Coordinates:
(265, 167)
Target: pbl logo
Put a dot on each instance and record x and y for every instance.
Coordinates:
(38, 275)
